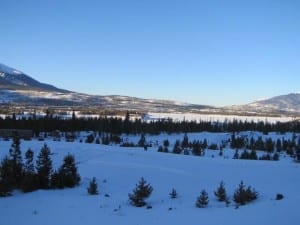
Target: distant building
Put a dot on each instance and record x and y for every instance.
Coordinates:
(9, 133)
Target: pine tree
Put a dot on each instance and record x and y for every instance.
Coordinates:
(202, 200)
(243, 195)
(176, 147)
(166, 143)
(240, 196)
(140, 193)
(5, 177)
(15, 157)
(196, 148)
(29, 182)
(142, 141)
(220, 193)
(253, 155)
(56, 180)
(68, 172)
(93, 187)
(236, 154)
(173, 194)
(185, 141)
(44, 167)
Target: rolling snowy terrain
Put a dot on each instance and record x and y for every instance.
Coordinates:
(118, 170)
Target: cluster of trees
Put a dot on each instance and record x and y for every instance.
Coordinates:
(242, 195)
(265, 145)
(197, 147)
(18, 174)
(117, 125)
(290, 146)
(251, 155)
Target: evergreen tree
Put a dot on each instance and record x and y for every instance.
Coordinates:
(56, 180)
(29, 166)
(173, 194)
(44, 167)
(278, 145)
(29, 182)
(5, 177)
(176, 148)
(140, 193)
(68, 172)
(269, 145)
(243, 195)
(185, 141)
(160, 149)
(166, 143)
(236, 154)
(253, 155)
(142, 141)
(127, 123)
(15, 157)
(202, 200)
(204, 144)
(90, 138)
(196, 148)
(220, 193)
(93, 187)
(245, 155)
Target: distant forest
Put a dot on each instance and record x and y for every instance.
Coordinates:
(117, 125)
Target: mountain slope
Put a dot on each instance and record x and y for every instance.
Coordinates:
(13, 79)
(290, 102)
(283, 104)
(18, 88)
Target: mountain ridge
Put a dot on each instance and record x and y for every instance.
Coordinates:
(11, 79)
(17, 88)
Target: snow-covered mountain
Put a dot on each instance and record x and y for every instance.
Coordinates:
(283, 104)
(20, 89)
(290, 102)
(13, 79)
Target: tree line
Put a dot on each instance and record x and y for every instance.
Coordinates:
(117, 125)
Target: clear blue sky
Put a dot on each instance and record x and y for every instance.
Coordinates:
(208, 52)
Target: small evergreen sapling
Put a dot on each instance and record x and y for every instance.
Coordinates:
(202, 200)
(173, 194)
(140, 193)
(93, 188)
(244, 195)
(220, 193)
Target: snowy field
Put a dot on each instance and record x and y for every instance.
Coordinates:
(118, 170)
(216, 117)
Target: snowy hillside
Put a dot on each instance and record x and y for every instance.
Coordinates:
(289, 103)
(8, 70)
(118, 170)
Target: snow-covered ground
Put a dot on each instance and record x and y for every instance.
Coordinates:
(215, 117)
(118, 170)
